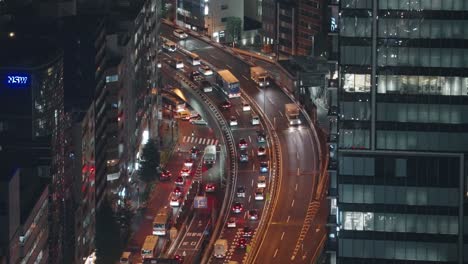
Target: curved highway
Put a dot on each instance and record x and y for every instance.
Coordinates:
(296, 230)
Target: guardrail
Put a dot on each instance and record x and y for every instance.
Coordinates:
(228, 138)
(275, 182)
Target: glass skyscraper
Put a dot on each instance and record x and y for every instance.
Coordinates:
(403, 122)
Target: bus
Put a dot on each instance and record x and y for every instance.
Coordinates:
(162, 222)
(228, 83)
(169, 45)
(149, 248)
(193, 58)
(173, 103)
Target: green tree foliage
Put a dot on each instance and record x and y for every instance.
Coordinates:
(150, 160)
(233, 28)
(108, 241)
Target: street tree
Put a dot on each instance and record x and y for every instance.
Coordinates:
(234, 28)
(150, 160)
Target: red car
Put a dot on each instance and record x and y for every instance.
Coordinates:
(226, 105)
(209, 187)
(243, 143)
(177, 191)
(237, 208)
(179, 180)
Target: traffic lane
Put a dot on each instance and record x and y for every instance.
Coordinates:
(316, 237)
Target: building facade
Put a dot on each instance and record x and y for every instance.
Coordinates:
(402, 94)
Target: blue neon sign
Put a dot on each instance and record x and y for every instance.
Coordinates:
(16, 80)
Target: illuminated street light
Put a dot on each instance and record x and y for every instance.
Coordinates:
(11, 34)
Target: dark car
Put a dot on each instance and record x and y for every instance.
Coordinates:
(243, 156)
(226, 105)
(261, 137)
(247, 232)
(165, 175)
(196, 76)
(264, 167)
(210, 187)
(243, 143)
(194, 152)
(240, 191)
(237, 208)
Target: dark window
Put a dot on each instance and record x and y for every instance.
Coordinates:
(224, 7)
(224, 19)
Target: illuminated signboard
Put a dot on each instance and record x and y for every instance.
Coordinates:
(16, 80)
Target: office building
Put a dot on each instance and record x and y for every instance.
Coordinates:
(209, 17)
(401, 173)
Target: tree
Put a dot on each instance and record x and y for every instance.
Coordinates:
(150, 161)
(233, 28)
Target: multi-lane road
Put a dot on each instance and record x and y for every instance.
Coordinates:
(296, 229)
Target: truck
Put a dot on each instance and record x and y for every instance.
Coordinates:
(292, 114)
(220, 248)
(228, 83)
(259, 76)
(210, 154)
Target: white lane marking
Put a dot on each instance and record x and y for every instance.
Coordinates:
(297, 155)
(258, 88)
(191, 139)
(252, 182)
(216, 142)
(212, 56)
(298, 172)
(204, 140)
(287, 220)
(281, 113)
(276, 252)
(209, 141)
(253, 153)
(229, 66)
(200, 140)
(271, 101)
(245, 215)
(296, 187)
(253, 166)
(292, 204)
(250, 139)
(250, 196)
(237, 112)
(282, 235)
(185, 138)
(245, 77)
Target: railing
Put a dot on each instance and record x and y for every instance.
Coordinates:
(228, 138)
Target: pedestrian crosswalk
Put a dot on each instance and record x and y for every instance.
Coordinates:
(200, 141)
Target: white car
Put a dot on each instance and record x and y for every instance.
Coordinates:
(255, 120)
(205, 70)
(259, 194)
(245, 107)
(180, 34)
(231, 222)
(261, 182)
(233, 121)
(198, 121)
(175, 201)
(179, 64)
(261, 151)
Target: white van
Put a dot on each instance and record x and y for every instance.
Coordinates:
(125, 258)
(255, 119)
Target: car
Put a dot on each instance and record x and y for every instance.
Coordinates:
(233, 121)
(196, 76)
(210, 187)
(243, 143)
(165, 175)
(247, 231)
(261, 137)
(261, 151)
(179, 258)
(180, 180)
(177, 63)
(261, 182)
(185, 172)
(226, 105)
(237, 208)
(205, 70)
(206, 86)
(231, 222)
(177, 191)
(253, 214)
(194, 152)
(242, 243)
(175, 201)
(243, 156)
(245, 107)
(180, 34)
(255, 120)
(198, 121)
(188, 162)
(264, 167)
(259, 194)
(240, 191)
